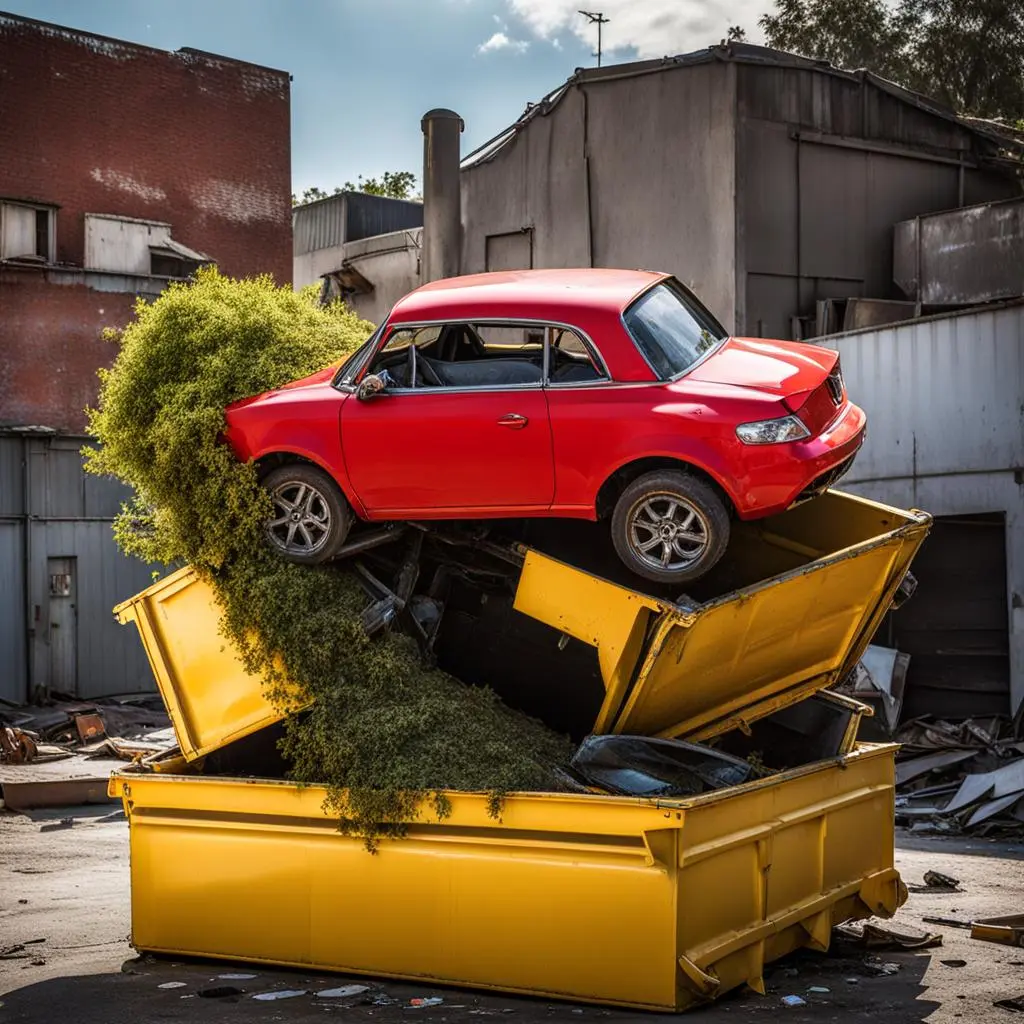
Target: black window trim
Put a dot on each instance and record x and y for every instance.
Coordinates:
(544, 383)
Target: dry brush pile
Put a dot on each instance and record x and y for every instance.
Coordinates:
(385, 735)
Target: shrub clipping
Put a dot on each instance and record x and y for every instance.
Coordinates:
(383, 733)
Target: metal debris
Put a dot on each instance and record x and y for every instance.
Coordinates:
(1016, 1004)
(871, 935)
(793, 1001)
(284, 993)
(1008, 930)
(342, 993)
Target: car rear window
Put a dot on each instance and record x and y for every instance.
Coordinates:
(672, 329)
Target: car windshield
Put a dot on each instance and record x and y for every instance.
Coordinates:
(672, 329)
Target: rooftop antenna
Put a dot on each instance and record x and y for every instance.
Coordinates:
(596, 18)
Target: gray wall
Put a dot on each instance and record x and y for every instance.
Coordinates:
(654, 154)
(826, 167)
(945, 403)
(67, 514)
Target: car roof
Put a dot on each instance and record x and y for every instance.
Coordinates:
(525, 294)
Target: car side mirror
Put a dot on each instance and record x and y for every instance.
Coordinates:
(370, 386)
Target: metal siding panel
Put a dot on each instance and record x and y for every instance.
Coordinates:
(12, 495)
(13, 668)
(368, 215)
(943, 395)
(110, 659)
(945, 403)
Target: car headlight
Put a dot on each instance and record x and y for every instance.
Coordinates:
(785, 428)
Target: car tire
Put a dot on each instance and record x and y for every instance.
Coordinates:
(311, 517)
(681, 520)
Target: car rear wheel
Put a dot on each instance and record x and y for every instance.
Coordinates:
(670, 527)
(310, 519)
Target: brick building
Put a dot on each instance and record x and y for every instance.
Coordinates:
(121, 167)
(186, 154)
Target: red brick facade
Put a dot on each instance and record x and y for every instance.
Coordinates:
(93, 125)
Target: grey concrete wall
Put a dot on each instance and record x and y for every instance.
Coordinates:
(653, 154)
(945, 403)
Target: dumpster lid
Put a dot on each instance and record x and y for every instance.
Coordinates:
(698, 671)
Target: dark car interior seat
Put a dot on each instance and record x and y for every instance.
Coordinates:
(470, 373)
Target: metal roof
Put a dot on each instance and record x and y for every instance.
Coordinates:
(739, 53)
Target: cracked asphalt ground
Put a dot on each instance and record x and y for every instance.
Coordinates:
(64, 898)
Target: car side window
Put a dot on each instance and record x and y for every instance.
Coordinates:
(571, 361)
(462, 355)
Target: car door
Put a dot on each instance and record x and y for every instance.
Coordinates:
(468, 445)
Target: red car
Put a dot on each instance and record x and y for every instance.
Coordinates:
(586, 394)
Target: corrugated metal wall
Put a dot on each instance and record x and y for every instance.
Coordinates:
(348, 217)
(945, 403)
(68, 514)
(826, 167)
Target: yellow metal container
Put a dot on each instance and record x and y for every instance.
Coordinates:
(211, 697)
(654, 904)
(819, 580)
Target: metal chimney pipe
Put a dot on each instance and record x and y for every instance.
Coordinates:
(442, 200)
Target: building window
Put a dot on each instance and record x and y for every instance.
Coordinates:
(26, 232)
(128, 245)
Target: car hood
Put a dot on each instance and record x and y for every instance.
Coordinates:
(324, 376)
(777, 367)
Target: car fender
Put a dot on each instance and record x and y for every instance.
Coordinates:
(318, 458)
(689, 450)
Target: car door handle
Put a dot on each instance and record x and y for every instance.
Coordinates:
(513, 420)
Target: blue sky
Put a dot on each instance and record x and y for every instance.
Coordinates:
(364, 72)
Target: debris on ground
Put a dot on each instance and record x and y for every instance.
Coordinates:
(949, 922)
(283, 993)
(125, 727)
(953, 778)
(793, 1001)
(1016, 1004)
(888, 936)
(1007, 930)
(344, 992)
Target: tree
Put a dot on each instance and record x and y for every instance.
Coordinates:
(967, 54)
(736, 34)
(847, 33)
(393, 184)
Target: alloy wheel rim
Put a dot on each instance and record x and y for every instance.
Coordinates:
(667, 532)
(301, 521)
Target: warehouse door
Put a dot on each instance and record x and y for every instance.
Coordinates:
(956, 626)
(63, 625)
(513, 251)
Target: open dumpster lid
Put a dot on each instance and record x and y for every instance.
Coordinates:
(701, 670)
(210, 696)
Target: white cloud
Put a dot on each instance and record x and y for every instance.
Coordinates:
(649, 28)
(500, 41)
(556, 43)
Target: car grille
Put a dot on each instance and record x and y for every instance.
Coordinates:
(822, 483)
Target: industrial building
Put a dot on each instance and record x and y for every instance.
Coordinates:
(122, 168)
(369, 245)
(765, 181)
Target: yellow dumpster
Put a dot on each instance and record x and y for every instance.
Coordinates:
(657, 904)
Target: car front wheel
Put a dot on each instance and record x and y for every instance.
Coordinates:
(670, 527)
(310, 519)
